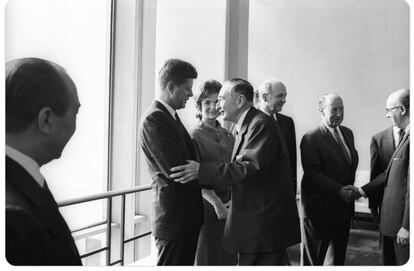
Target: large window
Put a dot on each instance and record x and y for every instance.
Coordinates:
(73, 34)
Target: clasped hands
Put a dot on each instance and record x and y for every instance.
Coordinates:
(349, 193)
(185, 173)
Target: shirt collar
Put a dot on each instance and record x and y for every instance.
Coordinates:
(30, 165)
(330, 129)
(167, 106)
(407, 129)
(241, 119)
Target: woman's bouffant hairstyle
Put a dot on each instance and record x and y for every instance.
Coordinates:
(206, 89)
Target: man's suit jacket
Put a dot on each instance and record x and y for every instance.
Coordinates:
(288, 129)
(263, 215)
(395, 209)
(382, 147)
(36, 233)
(178, 208)
(326, 170)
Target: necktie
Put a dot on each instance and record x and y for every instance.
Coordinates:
(342, 145)
(401, 134)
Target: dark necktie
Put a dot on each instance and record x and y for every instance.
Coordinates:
(401, 134)
(342, 145)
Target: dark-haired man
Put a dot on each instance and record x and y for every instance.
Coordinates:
(178, 208)
(41, 108)
(263, 220)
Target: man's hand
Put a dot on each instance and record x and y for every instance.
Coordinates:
(220, 209)
(375, 215)
(403, 237)
(349, 193)
(185, 173)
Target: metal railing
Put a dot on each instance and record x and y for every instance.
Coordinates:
(108, 196)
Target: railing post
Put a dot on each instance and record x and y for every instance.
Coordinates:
(108, 230)
(122, 239)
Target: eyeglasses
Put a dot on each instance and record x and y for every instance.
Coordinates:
(388, 110)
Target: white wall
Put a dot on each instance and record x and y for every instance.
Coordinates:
(195, 31)
(358, 49)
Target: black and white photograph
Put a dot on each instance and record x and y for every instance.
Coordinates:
(215, 133)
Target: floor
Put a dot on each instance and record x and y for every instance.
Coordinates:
(363, 248)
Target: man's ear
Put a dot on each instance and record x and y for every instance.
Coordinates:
(45, 120)
(264, 97)
(403, 109)
(241, 100)
(170, 87)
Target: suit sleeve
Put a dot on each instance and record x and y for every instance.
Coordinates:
(262, 144)
(22, 242)
(161, 142)
(375, 188)
(406, 218)
(312, 167)
(293, 158)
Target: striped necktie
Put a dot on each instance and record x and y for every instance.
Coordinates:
(342, 145)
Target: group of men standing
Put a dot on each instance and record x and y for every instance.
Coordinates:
(41, 108)
(263, 219)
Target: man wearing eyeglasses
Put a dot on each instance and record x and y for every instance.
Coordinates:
(394, 219)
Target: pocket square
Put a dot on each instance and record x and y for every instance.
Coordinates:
(239, 157)
(396, 158)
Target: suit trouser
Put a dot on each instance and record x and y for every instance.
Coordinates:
(393, 253)
(177, 252)
(326, 250)
(271, 258)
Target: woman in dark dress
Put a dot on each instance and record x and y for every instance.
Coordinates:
(214, 143)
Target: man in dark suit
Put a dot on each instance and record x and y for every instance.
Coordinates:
(271, 99)
(178, 208)
(41, 108)
(395, 207)
(263, 219)
(329, 161)
(382, 147)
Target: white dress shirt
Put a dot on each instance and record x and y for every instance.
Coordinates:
(30, 165)
(396, 134)
(241, 119)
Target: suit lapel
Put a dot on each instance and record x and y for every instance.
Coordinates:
(399, 147)
(185, 136)
(45, 207)
(240, 137)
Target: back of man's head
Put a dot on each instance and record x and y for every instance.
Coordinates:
(176, 71)
(243, 87)
(32, 84)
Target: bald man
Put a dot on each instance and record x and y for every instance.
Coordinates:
(329, 161)
(271, 97)
(395, 208)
